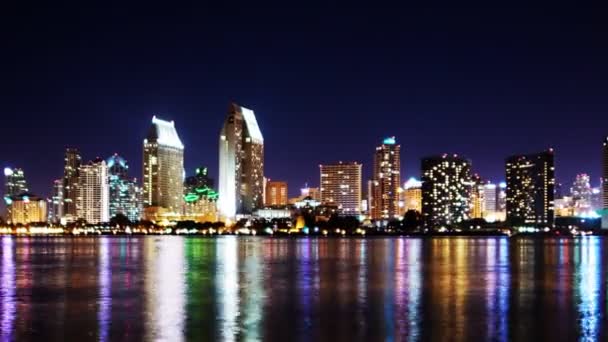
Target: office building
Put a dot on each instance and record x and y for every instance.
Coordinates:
(55, 203)
(241, 157)
(200, 179)
(125, 195)
(446, 189)
(72, 163)
(15, 183)
(477, 199)
(581, 193)
(200, 199)
(386, 180)
(93, 199)
(490, 202)
(26, 208)
(412, 195)
(163, 169)
(276, 193)
(530, 190)
(341, 187)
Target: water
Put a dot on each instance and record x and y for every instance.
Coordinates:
(248, 289)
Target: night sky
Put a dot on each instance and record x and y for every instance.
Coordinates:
(327, 83)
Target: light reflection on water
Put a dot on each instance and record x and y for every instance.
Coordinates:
(229, 288)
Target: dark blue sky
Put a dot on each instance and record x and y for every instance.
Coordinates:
(326, 81)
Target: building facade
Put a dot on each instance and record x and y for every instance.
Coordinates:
(241, 157)
(341, 187)
(412, 195)
(27, 208)
(163, 168)
(15, 183)
(490, 200)
(71, 166)
(125, 194)
(55, 203)
(531, 190)
(276, 193)
(93, 200)
(446, 188)
(386, 180)
(200, 199)
(582, 194)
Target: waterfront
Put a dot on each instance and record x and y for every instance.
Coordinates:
(307, 289)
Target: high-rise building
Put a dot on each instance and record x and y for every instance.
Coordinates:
(341, 187)
(386, 180)
(477, 199)
(163, 169)
(55, 203)
(605, 184)
(125, 195)
(276, 193)
(72, 163)
(581, 195)
(412, 195)
(241, 156)
(446, 188)
(530, 190)
(27, 208)
(15, 185)
(490, 198)
(15, 182)
(93, 200)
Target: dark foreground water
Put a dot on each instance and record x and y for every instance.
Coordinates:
(174, 288)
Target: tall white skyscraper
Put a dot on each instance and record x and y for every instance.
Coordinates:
(93, 200)
(163, 172)
(490, 196)
(241, 157)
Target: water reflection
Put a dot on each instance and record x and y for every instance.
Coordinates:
(174, 288)
(7, 293)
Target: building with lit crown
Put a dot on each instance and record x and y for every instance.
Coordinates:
(446, 188)
(163, 170)
(93, 199)
(341, 187)
(125, 194)
(200, 199)
(241, 159)
(531, 190)
(15, 185)
(386, 180)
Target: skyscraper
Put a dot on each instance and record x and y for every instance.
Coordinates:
(605, 184)
(15, 182)
(341, 187)
(200, 179)
(446, 188)
(276, 193)
(386, 180)
(477, 197)
(530, 189)
(241, 157)
(55, 205)
(412, 195)
(93, 200)
(163, 169)
(125, 195)
(490, 198)
(70, 183)
(581, 195)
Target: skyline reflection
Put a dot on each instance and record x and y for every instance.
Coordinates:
(252, 289)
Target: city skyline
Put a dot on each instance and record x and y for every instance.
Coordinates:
(436, 85)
